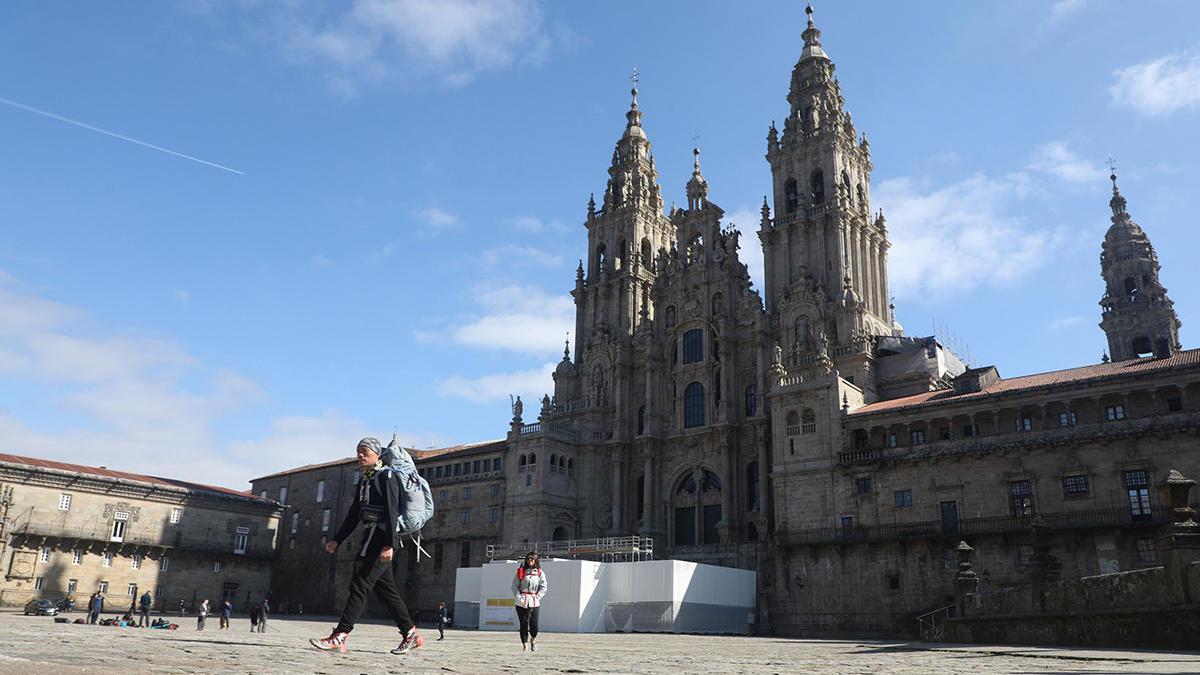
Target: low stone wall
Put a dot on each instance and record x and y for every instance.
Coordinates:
(1157, 628)
(1136, 589)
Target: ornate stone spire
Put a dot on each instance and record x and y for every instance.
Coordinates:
(1137, 316)
(633, 180)
(697, 187)
(812, 38)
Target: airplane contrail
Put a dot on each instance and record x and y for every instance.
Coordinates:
(106, 132)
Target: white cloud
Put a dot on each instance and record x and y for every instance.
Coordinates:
(535, 225)
(531, 385)
(947, 240)
(521, 319)
(747, 221)
(1057, 159)
(1160, 86)
(437, 218)
(451, 39)
(514, 254)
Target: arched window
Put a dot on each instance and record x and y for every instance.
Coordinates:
(647, 254)
(791, 196)
(601, 258)
(553, 460)
(570, 466)
(521, 461)
(641, 420)
(808, 423)
(687, 486)
(1142, 346)
(1131, 288)
(793, 418)
(560, 534)
(709, 482)
(532, 458)
(752, 502)
(862, 199)
(622, 255)
(693, 405)
(695, 247)
(751, 400)
(817, 187)
(693, 346)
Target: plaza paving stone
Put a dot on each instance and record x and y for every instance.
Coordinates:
(37, 644)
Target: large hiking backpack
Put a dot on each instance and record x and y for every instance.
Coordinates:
(416, 499)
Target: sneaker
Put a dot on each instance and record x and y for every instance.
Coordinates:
(532, 646)
(336, 642)
(412, 640)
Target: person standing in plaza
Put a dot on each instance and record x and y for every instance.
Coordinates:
(226, 613)
(144, 609)
(443, 617)
(264, 610)
(202, 614)
(376, 513)
(95, 607)
(254, 611)
(529, 586)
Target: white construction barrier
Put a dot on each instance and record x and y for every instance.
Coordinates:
(662, 596)
(466, 596)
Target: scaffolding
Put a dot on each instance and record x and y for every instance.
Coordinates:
(603, 549)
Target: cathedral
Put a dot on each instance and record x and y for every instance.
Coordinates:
(800, 432)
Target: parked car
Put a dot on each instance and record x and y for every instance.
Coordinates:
(41, 608)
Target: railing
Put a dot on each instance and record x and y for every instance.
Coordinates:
(1063, 520)
(101, 539)
(531, 428)
(553, 429)
(605, 549)
(793, 430)
(933, 624)
(860, 456)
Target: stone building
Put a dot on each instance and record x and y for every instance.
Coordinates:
(800, 432)
(67, 529)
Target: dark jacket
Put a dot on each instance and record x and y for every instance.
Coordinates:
(146, 601)
(97, 604)
(387, 483)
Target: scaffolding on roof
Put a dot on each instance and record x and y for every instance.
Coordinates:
(603, 549)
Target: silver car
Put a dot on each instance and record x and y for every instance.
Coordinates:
(41, 608)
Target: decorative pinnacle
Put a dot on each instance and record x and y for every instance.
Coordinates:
(696, 162)
(1117, 202)
(567, 348)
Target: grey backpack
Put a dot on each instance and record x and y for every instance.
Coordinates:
(416, 499)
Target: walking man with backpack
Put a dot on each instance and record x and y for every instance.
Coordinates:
(393, 500)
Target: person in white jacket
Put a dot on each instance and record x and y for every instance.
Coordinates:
(529, 586)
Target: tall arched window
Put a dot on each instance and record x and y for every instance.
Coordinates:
(1131, 288)
(808, 424)
(693, 405)
(751, 400)
(862, 200)
(817, 187)
(752, 502)
(685, 511)
(641, 420)
(601, 258)
(622, 255)
(791, 196)
(693, 346)
(532, 458)
(647, 254)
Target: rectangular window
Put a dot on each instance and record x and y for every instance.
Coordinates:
(131, 590)
(498, 464)
(970, 431)
(439, 554)
(1114, 412)
(457, 469)
(1137, 486)
(64, 502)
(693, 346)
(38, 583)
(466, 468)
(136, 561)
(1067, 418)
(102, 586)
(464, 555)
(118, 530)
(847, 523)
(1023, 424)
(163, 564)
(1020, 496)
(1075, 486)
(76, 557)
(1175, 404)
(495, 489)
(283, 495)
(176, 514)
(437, 472)
(528, 479)
(903, 498)
(325, 520)
(492, 516)
(240, 539)
(45, 556)
(466, 517)
(320, 491)
(487, 465)
(1146, 553)
(108, 556)
(262, 494)
(890, 441)
(1024, 555)
(159, 591)
(862, 486)
(476, 465)
(72, 584)
(466, 493)
(917, 436)
(217, 565)
(295, 522)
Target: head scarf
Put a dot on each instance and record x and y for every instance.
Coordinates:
(372, 444)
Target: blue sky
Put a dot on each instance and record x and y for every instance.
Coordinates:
(397, 249)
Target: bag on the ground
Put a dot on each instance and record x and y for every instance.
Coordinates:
(416, 499)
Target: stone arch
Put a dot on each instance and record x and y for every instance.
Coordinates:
(791, 196)
(601, 259)
(816, 183)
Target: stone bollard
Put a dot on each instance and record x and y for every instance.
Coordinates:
(966, 582)
(1179, 540)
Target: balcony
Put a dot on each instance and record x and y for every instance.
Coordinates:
(89, 538)
(967, 527)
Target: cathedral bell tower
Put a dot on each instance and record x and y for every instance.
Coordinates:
(624, 237)
(1138, 317)
(825, 253)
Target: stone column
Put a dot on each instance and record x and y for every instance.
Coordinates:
(727, 490)
(647, 494)
(616, 491)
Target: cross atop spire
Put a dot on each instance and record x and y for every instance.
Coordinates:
(812, 38)
(1117, 202)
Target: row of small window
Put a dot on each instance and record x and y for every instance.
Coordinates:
(1024, 423)
(468, 491)
(1020, 492)
(131, 590)
(493, 516)
(469, 468)
(135, 561)
(558, 463)
(64, 504)
(326, 516)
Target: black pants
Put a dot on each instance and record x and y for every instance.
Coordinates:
(527, 616)
(372, 573)
(144, 617)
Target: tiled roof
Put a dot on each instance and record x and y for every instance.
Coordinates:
(1098, 372)
(102, 472)
(418, 455)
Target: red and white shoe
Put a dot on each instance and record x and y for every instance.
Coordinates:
(336, 642)
(412, 640)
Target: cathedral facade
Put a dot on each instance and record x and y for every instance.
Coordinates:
(800, 432)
